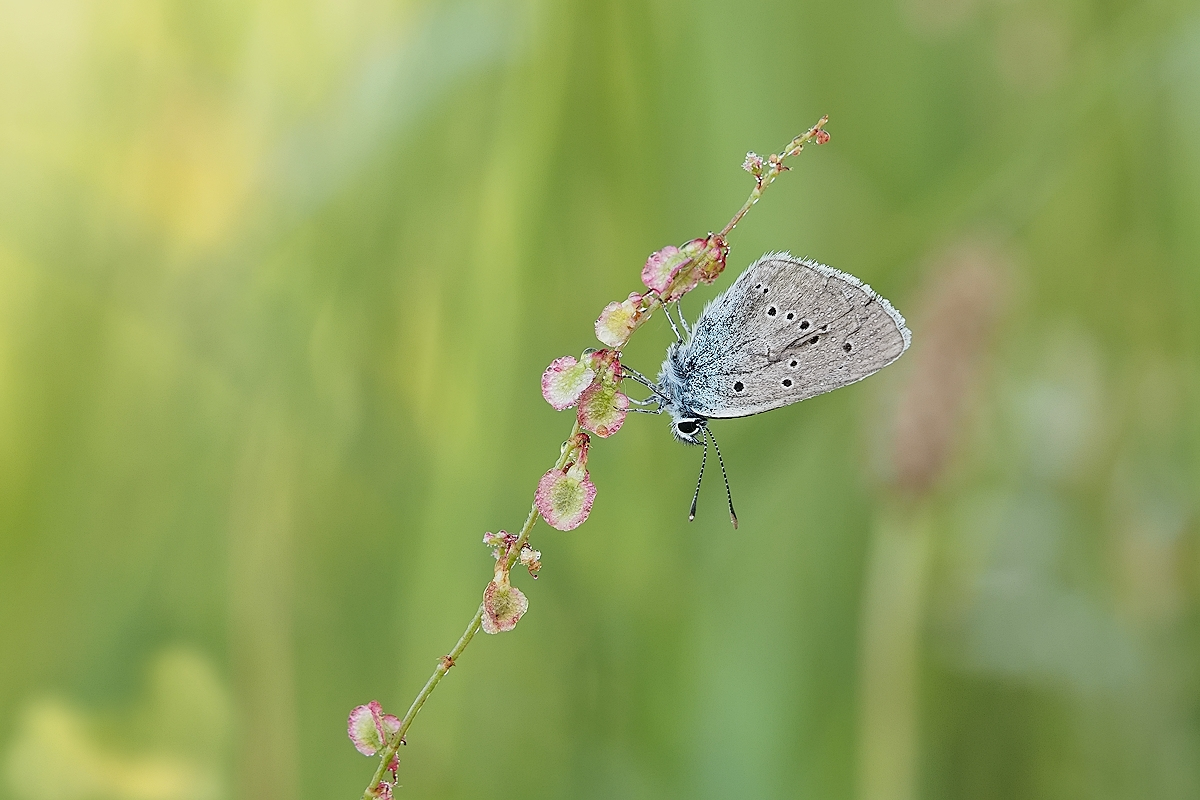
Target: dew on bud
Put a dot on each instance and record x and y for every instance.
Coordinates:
(564, 381)
(503, 605)
(821, 137)
(602, 409)
(618, 321)
(369, 728)
(500, 542)
(711, 261)
(753, 164)
(674, 271)
(662, 267)
(496, 539)
(564, 497)
(603, 406)
(531, 559)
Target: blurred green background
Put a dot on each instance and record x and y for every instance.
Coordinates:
(277, 284)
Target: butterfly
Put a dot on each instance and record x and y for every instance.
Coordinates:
(787, 329)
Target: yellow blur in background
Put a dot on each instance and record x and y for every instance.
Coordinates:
(277, 284)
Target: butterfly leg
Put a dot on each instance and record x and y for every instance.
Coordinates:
(667, 311)
(658, 398)
(682, 319)
(630, 372)
(655, 410)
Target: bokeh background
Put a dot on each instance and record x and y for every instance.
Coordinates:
(278, 281)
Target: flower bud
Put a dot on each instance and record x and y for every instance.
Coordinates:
(564, 381)
(603, 406)
(754, 165)
(602, 409)
(500, 542)
(710, 262)
(661, 267)
(369, 728)
(494, 539)
(619, 320)
(531, 559)
(503, 605)
(674, 271)
(564, 497)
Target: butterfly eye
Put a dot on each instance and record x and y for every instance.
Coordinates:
(738, 386)
(687, 427)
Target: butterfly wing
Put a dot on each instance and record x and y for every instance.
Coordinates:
(786, 330)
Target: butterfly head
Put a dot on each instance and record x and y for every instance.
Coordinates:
(688, 429)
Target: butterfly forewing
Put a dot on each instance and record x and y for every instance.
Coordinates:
(788, 329)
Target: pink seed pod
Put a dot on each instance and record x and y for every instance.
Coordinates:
(602, 409)
(618, 321)
(503, 605)
(564, 497)
(662, 267)
(369, 728)
(564, 381)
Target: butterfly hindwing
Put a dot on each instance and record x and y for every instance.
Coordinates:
(786, 330)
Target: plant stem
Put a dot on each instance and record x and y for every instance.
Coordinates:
(389, 752)
(446, 662)
(776, 169)
(762, 181)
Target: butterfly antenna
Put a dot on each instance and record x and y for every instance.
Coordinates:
(728, 494)
(696, 495)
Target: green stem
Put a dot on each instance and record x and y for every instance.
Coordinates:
(446, 662)
(444, 665)
(774, 172)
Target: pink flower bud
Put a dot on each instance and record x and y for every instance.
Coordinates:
(603, 406)
(673, 272)
(503, 605)
(494, 539)
(602, 409)
(710, 263)
(369, 728)
(821, 137)
(619, 320)
(753, 164)
(531, 559)
(662, 267)
(501, 543)
(382, 791)
(605, 363)
(564, 380)
(564, 497)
